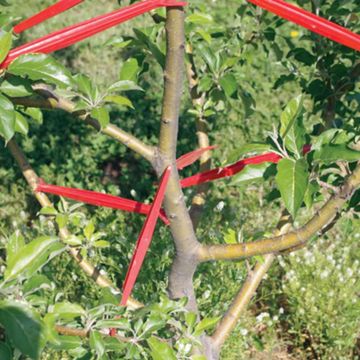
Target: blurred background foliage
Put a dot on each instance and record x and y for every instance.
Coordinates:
(308, 307)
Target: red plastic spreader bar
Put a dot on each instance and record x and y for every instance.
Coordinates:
(312, 22)
(144, 239)
(189, 158)
(233, 169)
(53, 10)
(99, 199)
(75, 33)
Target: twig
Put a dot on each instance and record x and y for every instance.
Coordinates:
(69, 331)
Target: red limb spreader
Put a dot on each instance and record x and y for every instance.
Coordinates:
(311, 22)
(53, 10)
(99, 199)
(144, 238)
(233, 169)
(75, 33)
(189, 158)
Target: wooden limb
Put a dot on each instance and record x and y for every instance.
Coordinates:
(247, 291)
(32, 179)
(198, 100)
(49, 100)
(292, 239)
(69, 331)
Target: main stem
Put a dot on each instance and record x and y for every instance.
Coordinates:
(186, 244)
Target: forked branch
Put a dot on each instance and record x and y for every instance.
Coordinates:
(292, 239)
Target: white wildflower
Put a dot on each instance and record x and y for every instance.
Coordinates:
(243, 332)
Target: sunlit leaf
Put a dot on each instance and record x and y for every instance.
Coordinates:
(292, 181)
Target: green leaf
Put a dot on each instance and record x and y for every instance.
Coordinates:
(89, 230)
(64, 342)
(101, 244)
(16, 87)
(113, 344)
(41, 67)
(68, 311)
(86, 87)
(249, 174)
(27, 254)
(151, 46)
(205, 35)
(61, 220)
(21, 124)
(154, 323)
(292, 130)
(35, 114)
(129, 70)
(36, 283)
(123, 324)
(292, 181)
(118, 42)
(229, 84)
(160, 350)
(295, 138)
(96, 343)
(256, 148)
(331, 153)
(5, 352)
(5, 45)
(7, 118)
(73, 240)
(290, 114)
(230, 236)
(102, 116)
(54, 250)
(23, 326)
(120, 100)
(124, 85)
(48, 210)
(199, 18)
(312, 189)
(15, 243)
(210, 58)
(205, 324)
(190, 318)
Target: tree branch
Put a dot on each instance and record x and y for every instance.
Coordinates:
(32, 179)
(49, 100)
(197, 100)
(290, 240)
(247, 291)
(69, 331)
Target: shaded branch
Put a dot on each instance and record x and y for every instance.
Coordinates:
(198, 100)
(247, 291)
(290, 240)
(32, 179)
(49, 100)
